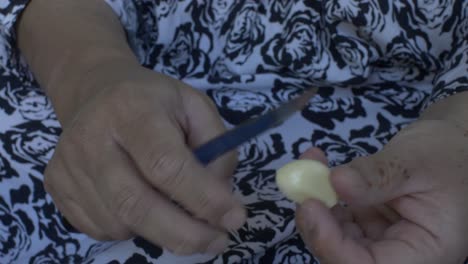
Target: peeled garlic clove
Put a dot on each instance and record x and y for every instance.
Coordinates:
(303, 179)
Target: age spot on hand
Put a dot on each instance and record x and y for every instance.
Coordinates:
(406, 174)
(381, 172)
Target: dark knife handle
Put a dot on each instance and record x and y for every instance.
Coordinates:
(230, 140)
(246, 131)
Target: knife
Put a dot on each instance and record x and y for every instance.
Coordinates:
(235, 137)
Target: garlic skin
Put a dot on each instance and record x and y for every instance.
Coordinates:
(303, 179)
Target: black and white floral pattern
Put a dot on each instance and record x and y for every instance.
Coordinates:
(378, 64)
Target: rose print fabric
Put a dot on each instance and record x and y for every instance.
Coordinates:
(378, 64)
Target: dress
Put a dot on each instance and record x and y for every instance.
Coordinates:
(378, 64)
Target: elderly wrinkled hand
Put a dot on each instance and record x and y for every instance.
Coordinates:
(124, 166)
(406, 203)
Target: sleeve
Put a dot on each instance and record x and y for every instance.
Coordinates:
(10, 11)
(127, 12)
(146, 23)
(134, 17)
(453, 77)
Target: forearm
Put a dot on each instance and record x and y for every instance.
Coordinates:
(453, 109)
(68, 44)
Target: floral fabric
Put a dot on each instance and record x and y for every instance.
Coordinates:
(378, 64)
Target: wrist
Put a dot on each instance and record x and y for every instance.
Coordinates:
(80, 76)
(66, 43)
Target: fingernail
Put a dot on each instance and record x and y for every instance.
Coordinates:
(350, 179)
(217, 246)
(234, 219)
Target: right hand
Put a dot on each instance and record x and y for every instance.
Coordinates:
(406, 203)
(123, 166)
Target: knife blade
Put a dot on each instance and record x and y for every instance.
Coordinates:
(235, 137)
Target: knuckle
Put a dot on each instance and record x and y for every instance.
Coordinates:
(217, 200)
(187, 244)
(211, 206)
(78, 136)
(120, 233)
(199, 98)
(51, 175)
(225, 166)
(47, 183)
(99, 236)
(118, 100)
(52, 186)
(129, 207)
(166, 170)
(211, 105)
(205, 208)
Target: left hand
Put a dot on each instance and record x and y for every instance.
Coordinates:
(407, 204)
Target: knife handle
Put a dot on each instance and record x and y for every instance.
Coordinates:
(230, 140)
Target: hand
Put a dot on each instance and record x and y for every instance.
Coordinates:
(124, 160)
(407, 204)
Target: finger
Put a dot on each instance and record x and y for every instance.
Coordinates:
(93, 206)
(147, 213)
(330, 244)
(325, 238)
(103, 217)
(354, 227)
(372, 222)
(203, 121)
(76, 216)
(203, 124)
(352, 230)
(315, 154)
(346, 221)
(170, 166)
(406, 243)
(77, 184)
(78, 219)
(375, 179)
(56, 175)
(342, 214)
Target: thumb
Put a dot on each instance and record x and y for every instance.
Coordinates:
(374, 179)
(203, 124)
